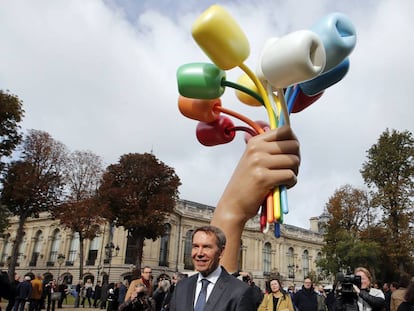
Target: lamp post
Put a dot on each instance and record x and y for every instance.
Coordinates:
(60, 261)
(292, 269)
(109, 250)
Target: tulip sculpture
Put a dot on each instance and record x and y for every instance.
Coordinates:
(293, 72)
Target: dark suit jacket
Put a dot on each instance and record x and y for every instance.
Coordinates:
(229, 293)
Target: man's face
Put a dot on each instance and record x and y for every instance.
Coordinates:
(146, 274)
(307, 283)
(205, 253)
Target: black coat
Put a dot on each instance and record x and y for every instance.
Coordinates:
(306, 300)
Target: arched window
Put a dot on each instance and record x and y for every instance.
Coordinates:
(93, 250)
(22, 249)
(36, 248)
(319, 269)
(267, 258)
(291, 263)
(6, 248)
(55, 247)
(305, 263)
(188, 246)
(73, 249)
(164, 246)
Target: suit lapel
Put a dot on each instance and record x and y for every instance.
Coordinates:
(217, 292)
(189, 302)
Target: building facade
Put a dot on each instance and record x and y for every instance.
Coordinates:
(54, 252)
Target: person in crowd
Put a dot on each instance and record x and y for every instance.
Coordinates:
(331, 299)
(397, 297)
(161, 295)
(306, 299)
(177, 276)
(212, 286)
(37, 291)
(7, 289)
(12, 300)
(62, 288)
(393, 287)
(248, 278)
(104, 295)
(270, 159)
(277, 299)
(112, 299)
(51, 288)
(408, 304)
(321, 297)
(122, 290)
(24, 291)
(78, 291)
(87, 293)
(146, 277)
(138, 300)
(365, 298)
(387, 294)
(97, 294)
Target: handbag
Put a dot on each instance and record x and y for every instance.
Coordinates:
(55, 296)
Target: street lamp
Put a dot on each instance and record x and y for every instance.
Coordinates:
(292, 269)
(60, 261)
(109, 250)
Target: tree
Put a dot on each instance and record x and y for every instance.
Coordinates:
(11, 114)
(140, 191)
(389, 173)
(33, 183)
(81, 212)
(350, 217)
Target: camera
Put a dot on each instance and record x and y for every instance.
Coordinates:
(246, 279)
(346, 283)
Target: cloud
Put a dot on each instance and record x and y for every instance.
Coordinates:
(100, 76)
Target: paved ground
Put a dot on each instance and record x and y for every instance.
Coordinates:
(3, 305)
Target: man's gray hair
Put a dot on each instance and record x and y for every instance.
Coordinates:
(220, 236)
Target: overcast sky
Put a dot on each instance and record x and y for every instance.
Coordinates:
(101, 76)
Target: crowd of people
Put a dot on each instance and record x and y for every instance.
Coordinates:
(145, 293)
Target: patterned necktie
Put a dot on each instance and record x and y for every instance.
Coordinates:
(201, 300)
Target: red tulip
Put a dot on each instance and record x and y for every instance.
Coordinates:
(216, 132)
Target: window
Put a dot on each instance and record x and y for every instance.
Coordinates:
(188, 246)
(22, 249)
(36, 248)
(291, 263)
(267, 258)
(164, 246)
(319, 269)
(55, 246)
(6, 248)
(305, 261)
(73, 248)
(93, 251)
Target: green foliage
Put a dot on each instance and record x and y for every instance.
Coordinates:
(344, 249)
(389, 173)
(11, 114)
(374, 229)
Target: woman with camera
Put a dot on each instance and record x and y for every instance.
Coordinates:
(364, 298)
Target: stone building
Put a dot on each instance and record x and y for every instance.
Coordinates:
(54, 252)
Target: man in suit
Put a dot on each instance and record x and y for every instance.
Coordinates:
(222, 292)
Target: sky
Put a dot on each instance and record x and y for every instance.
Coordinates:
(101, 76)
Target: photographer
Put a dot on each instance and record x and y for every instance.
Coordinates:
(354, 293)
(247, 277)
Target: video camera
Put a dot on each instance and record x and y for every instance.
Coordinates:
(346, 283)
